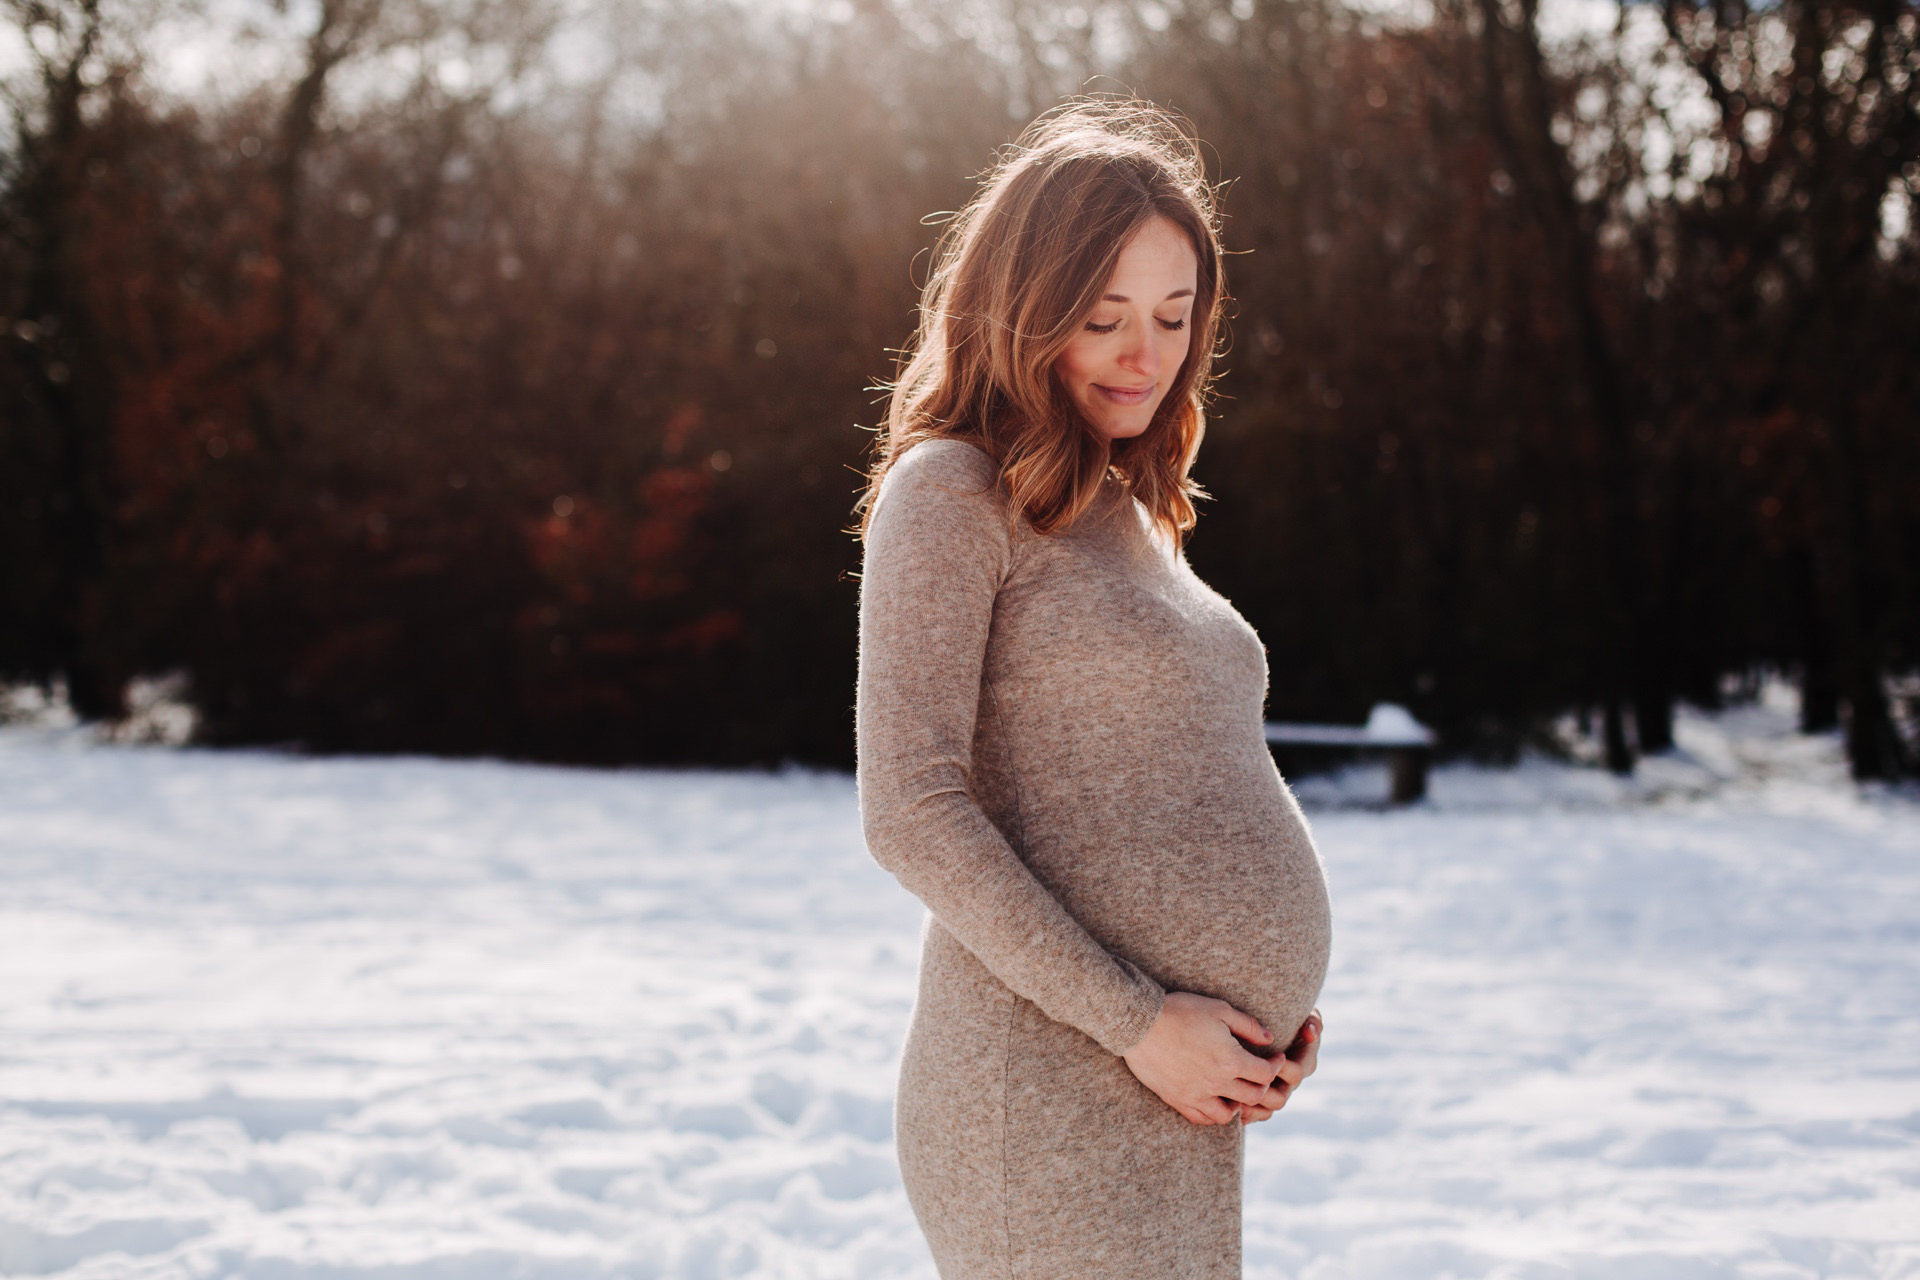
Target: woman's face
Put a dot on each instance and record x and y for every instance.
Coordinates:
(1118, 366)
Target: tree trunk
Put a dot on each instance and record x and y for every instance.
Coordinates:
(1545, 178)
(1614, 731)
(1653, 717)
(70, 378)
(1819, 691)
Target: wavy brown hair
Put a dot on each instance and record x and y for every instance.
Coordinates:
(1016, 273)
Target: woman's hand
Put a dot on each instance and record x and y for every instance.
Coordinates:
(1302, 1056)
(1190, 1057)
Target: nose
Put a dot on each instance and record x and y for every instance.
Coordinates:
(1142, 354)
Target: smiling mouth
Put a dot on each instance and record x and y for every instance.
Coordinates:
(1126, 395)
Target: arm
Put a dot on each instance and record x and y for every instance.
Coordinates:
(938, 550)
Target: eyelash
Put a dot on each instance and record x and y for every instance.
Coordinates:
(1171, 326)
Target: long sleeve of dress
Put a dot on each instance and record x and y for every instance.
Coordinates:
(938, 551)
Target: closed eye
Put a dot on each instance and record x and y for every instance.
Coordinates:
(1171, 326)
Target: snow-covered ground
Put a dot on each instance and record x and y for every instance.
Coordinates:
(279, 1018)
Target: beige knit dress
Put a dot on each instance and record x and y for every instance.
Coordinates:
(1060, 753)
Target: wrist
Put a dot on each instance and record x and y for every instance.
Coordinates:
(1141, 1025)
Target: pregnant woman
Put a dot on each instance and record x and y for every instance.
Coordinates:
(1060, 746)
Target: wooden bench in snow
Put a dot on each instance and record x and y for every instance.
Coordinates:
(1391, 729)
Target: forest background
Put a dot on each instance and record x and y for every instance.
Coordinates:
(493, 376)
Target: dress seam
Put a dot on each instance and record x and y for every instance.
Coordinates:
(1013, 1002)
(1006, 1127)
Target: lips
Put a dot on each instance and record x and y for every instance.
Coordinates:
(1126, 395)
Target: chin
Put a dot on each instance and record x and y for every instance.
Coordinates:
(1122, 428)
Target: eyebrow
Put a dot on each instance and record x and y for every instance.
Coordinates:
(1121, 297)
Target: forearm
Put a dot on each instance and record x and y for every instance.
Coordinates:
(946, 852)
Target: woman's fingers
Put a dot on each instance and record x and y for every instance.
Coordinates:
(1301, 1058)
(1260, 1081)
(1310, 1033)
(1285, 1081)
(1275, 1098)
(1305, 1048)
(1250, 1066)
(1254, 1070)
(1244, 1025)
(1244, 1091)
(1211, 1111)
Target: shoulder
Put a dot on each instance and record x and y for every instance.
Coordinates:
(944, 462)
(941, 513)
(951, 476)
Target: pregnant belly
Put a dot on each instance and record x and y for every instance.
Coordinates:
(1260, 942)
(1232, 906)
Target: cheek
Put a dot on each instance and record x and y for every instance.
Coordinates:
(1174, 353)
(1075, 366)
